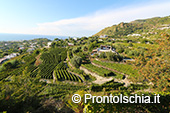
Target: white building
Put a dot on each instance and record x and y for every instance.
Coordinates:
(75, 38)
(100, 40)
(70, 44)
(11, 55)
(134, 35)
(103, 48)
(103, 36)
(49, 44)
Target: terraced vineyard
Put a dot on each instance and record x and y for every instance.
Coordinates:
(50, 60)
(63, 74)
(124, 68)
(99, 70)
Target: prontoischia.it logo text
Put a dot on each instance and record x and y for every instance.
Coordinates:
(76, 98)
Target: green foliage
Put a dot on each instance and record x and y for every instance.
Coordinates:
(63, 74)
(144, 41)
(60, 90)
(51, 59)
(124, 68)
(114, 57)
(92, 45)
(70, 55)
(7, 65)
(76, 49)
(85, 77)
(99, 70)
(30, 58)
(36, 52)
(20, 94)
(119, 48)
(102, 55)
(76, 61)
(61, 65)
(135, 53)
(130, 45)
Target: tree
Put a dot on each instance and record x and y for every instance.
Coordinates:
(76, 61)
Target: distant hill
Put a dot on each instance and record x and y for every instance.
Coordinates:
(137, 26)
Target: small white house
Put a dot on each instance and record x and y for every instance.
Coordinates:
(100, 40)
(49, 44)
(70, 44)
(75, 38)
(103, 36)
(11, 55)
(134, 35)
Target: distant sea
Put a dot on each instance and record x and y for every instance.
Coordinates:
(17, 37)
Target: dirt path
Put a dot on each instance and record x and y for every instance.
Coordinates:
(125, 81)
(99, 79)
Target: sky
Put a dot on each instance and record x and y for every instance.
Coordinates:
(74, 17)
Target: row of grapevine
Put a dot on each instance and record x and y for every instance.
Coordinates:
(61, 65)
(124, 68)
(46, 70)
(30, 68)
(65, 75)
(54, 55)
(53, 59)
(50, 57)
(99, 70)
(34, 73)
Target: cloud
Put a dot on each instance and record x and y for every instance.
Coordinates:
(91, 24)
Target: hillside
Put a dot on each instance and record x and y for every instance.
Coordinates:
(137, 26)
(47, 77)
